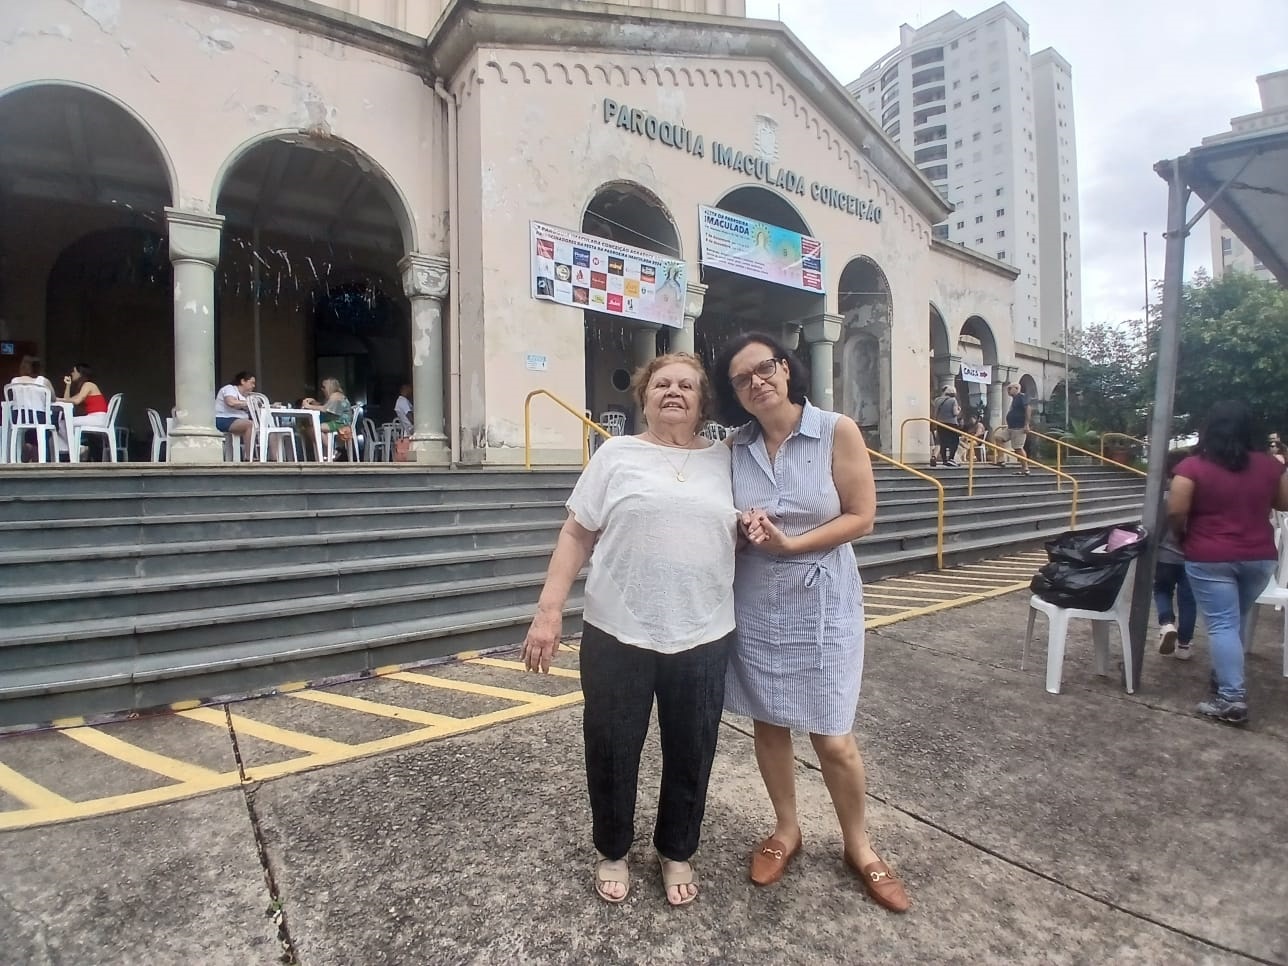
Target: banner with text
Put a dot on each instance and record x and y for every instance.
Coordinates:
(752, 248)
(603, 276)
(980, 374)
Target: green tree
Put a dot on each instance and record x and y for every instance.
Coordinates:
(1233, 345)
(1108, 389)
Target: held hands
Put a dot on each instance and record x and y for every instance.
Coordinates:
(760, 532)
(542, 641)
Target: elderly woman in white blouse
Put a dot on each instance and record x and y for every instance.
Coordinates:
(654, 515)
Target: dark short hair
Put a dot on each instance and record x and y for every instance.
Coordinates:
(728, 407)
(240, 377)
(1226, 436)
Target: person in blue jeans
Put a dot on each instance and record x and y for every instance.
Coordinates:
(1171, 583)
(1219, 506)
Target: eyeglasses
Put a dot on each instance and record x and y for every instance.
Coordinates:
(763, 371)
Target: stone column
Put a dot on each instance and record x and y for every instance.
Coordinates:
(425, 279)
(682, 340)
(194, 252)
(822, 333)
(643, 343)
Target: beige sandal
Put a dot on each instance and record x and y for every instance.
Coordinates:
(680, 874)
(604, 875)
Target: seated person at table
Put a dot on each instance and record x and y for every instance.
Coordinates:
(402, 410)
(232, 411)
(334, 410)
(30, 374)
(81, 391)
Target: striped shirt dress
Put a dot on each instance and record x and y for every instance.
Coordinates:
(798, 660)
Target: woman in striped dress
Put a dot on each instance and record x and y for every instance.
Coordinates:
(802, 480)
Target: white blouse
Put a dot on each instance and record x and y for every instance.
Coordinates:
(661, 574)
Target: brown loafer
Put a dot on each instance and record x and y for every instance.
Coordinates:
(770, 861)
(882, 885)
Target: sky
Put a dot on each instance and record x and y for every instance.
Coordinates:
(1151, 79)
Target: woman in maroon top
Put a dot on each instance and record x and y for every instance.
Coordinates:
(1219, 505)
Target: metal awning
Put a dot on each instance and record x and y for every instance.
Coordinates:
(1254, 205)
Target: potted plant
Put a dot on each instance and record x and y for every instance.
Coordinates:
(1082, 435)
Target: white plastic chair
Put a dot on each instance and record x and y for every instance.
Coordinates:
(374, 447)
(614, 421)
(123, 443)
(1058, 630)
(107, 431)
(1276, 592)
(160, 438)
(267, 429)
(29, 406)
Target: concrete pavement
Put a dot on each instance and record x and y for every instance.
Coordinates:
(1089, 827)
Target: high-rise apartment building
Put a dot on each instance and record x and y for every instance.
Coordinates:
(992, 127)
(1228, 253)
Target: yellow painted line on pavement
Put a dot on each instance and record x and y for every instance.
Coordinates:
(469, 687)
(267, 732)
(885, 620)
(180, 771)
(869, 595)
(349, 703)
(28, 792)
(559, 672)
(115, 803)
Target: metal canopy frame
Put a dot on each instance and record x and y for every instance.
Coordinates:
(1244, 181)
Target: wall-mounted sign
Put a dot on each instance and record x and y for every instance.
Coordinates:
(752, 248)
(536, 362)
(603, 276)
(980, 374)
(7, 349)
(749, 163)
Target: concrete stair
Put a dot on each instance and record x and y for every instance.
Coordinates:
(137, 587)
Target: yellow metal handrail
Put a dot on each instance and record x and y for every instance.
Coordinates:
(1106, 436)
(939, 539)
(1061, 445)
(970, 463)
(588, 426)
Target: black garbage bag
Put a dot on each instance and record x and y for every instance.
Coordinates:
(1083, 572)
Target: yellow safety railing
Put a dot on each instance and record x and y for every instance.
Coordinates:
(1061, 446)
(588, 426)
(1106, 436)
(1002, 452)
(939, 537)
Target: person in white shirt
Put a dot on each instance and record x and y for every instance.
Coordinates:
(654, 514)
(402, 410)
(232, 411)
(30, 374)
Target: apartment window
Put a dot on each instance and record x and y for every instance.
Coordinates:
(956, 84)
(893, 130)
(978, 199)
(976, 136)
(974, 97)
(1001, 256)
(1001, 212)
(961, 224)
(890, 76)
(957, 165)
(922, 116)
(956, 104)
(979, 219)
(957, 143)
(931, 134)
(996, 88)
(940, 232)
(937, 152)
(927, 76)
(927, 95)
(890, 94)
(997, 108)
(1002, 233)
(931, 56)
(979, 241)
(939, 172)
(997, 128)
(998, 192)
(953, 45)
(1227, 246)
(974, 75)
(890, 113)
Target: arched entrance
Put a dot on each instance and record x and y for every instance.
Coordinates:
(84, 271)
(306, 284)
(628, 213)
(977, 346)
(864, 386)
(736, 303)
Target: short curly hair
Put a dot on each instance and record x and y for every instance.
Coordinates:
(644, 374)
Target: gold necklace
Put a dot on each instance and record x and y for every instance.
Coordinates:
(679, 471)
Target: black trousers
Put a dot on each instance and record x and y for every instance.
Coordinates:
(948, 440)
(619, 683)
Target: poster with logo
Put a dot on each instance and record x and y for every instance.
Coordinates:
(759, 250)
(603, 276)
(977, 374)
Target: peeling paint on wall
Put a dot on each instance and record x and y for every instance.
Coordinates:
(105, 13)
